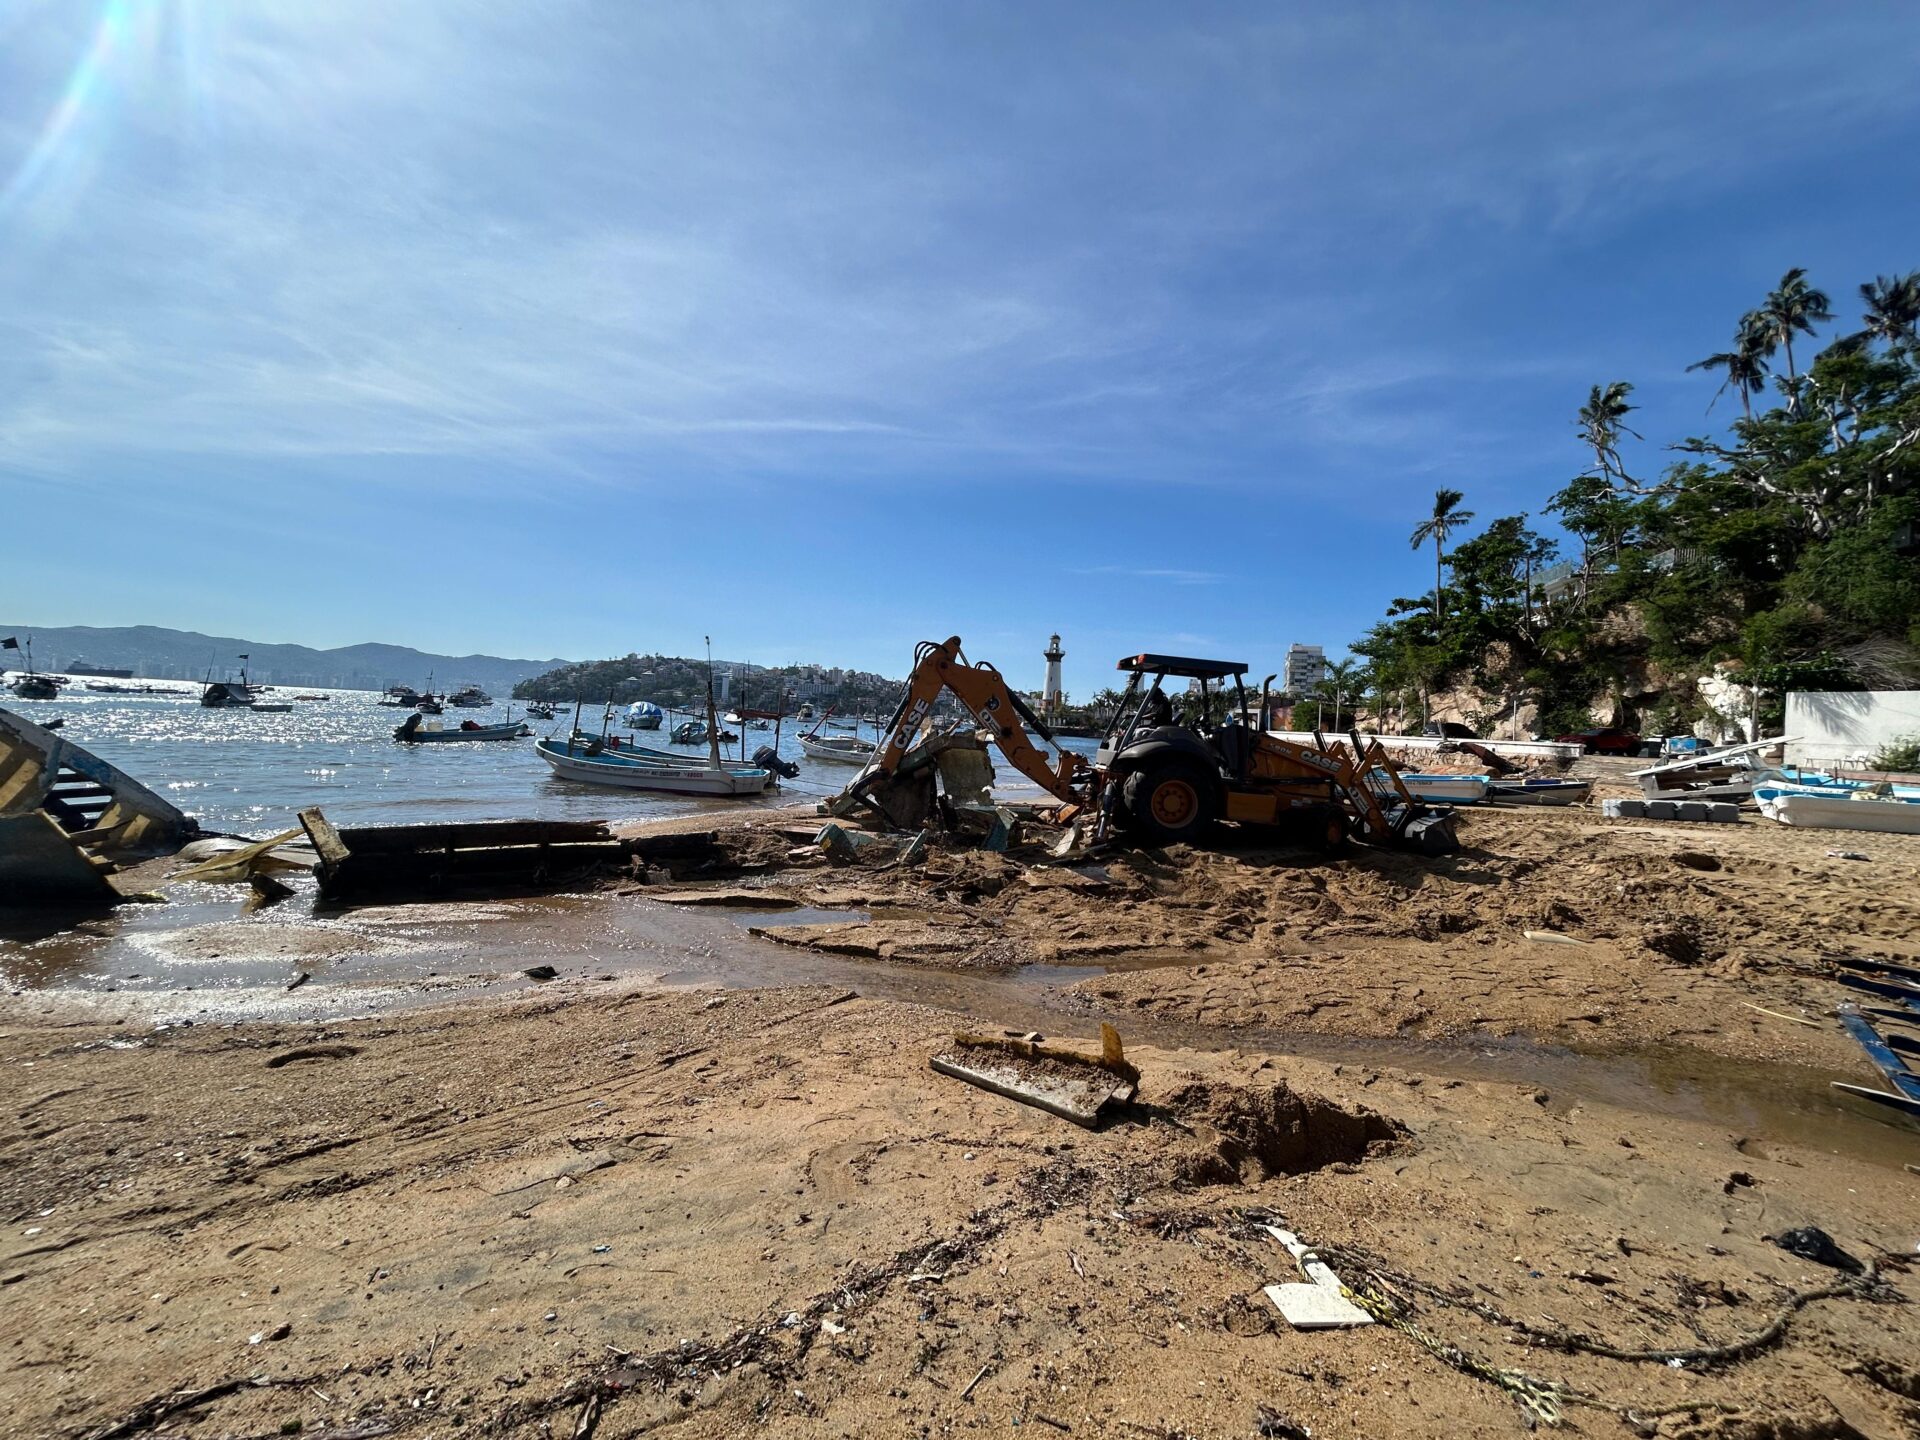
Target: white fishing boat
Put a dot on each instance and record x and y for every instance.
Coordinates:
(845, 748)
(585, 760)
(1446, 789)
(1841, 812)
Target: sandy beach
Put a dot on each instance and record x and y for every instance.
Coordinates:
(723, 1198)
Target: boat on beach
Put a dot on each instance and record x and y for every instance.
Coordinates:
(1540, 792)
(1860, 811)
(591, 762)
(1446, 789)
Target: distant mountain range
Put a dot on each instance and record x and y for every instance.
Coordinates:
(152, 652)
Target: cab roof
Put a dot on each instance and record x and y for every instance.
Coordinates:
(1182, 666)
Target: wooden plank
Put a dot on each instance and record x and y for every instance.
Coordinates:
(472, 835)
(41, 866)
(1883, 967)
(1885, 1061)
(1906, 994)
(1880, 1097)
(326, 840)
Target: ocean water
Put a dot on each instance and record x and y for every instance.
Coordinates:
(250, 774)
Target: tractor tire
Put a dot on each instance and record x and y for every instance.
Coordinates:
(1330, 829)
(1174, 802)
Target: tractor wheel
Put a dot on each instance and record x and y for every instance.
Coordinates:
(1171, 803)
(1330, 829)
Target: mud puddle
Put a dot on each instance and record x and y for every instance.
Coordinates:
(205, 958)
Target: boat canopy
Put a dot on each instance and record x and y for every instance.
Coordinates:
(645, 710)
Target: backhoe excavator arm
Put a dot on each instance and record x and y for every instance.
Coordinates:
(999, 711)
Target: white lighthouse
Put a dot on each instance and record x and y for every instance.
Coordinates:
(1050, 696)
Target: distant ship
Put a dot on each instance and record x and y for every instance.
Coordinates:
(104, 672)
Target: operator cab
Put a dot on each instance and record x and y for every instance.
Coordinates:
(1202, 718)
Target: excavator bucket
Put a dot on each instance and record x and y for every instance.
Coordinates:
(1431, 834)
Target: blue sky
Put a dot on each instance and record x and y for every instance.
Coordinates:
(566, 328)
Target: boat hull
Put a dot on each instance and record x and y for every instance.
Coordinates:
(850, 753)
(1832, 812)
(1446, 789)
(515, 731)
(641, 772)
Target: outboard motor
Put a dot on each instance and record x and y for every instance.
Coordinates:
(767, 758)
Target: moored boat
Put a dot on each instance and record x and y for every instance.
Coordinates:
(592, 763)
(470, 697)
(844, 748)
(644, 715)
(690, 732)
(415, 732)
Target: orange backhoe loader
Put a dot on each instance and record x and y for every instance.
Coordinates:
(1169, 768)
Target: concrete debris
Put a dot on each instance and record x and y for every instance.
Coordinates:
(1717, 812)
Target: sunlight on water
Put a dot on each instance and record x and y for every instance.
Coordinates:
(252, 773)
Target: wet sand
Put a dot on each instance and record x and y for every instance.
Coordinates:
(706, 1178)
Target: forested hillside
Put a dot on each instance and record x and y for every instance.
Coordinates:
(1785, 542)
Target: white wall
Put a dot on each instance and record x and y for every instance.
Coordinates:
(1839, 727)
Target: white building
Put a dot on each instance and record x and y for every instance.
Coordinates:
(1050, 695)
(1306, 667)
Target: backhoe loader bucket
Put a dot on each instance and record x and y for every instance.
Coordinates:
(1431, 834)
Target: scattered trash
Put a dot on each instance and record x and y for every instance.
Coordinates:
(1320, 1304)
(278, 1332)
(978, 1376)
(299, 980)
(540, 972)
(1781, 1015)
(1847, 855)
(1810, 1242)
(235, 867)
(1062, 1082)
(1553, 937)
(1270, 1424)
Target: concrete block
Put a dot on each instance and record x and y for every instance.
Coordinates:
(1623, 809)
(1722, 813)
(1663, 810)
(1694, 810)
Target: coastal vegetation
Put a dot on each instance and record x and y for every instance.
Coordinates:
(681, 683)
(1784, 549)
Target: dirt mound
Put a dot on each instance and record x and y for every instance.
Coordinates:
(1244, 1134)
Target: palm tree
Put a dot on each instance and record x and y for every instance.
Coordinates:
(1893, 307)
(1793, 305)
(1336, 685)
(1602, 421)
(1439, 527)
(1745, 364)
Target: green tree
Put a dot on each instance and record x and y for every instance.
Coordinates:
(1892, 307)
(1602, 421)
(1791, 307)
(1745, 365)
(1438, 527)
